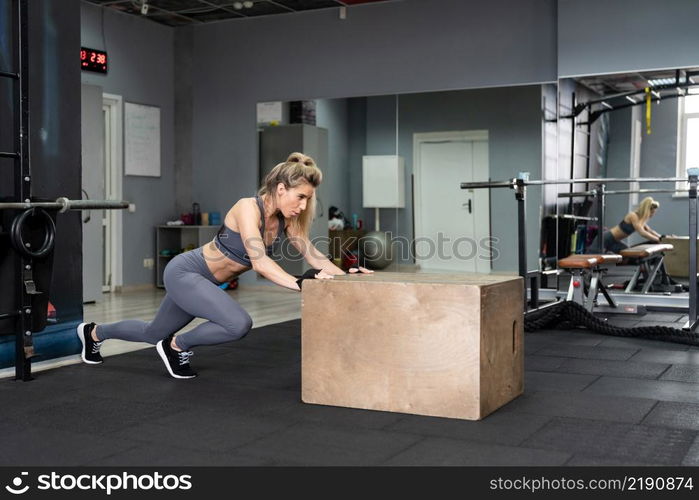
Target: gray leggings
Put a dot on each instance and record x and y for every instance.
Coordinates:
(192, 292)
(610, 244)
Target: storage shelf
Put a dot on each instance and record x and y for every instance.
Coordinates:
(180, 238)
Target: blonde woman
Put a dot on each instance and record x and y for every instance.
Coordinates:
(635, 221)
(252, 228)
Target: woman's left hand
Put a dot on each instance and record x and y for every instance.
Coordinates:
(360, 269)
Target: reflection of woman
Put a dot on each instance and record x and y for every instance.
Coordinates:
(285, 204)
(636, 220)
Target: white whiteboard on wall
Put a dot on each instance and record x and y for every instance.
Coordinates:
(270, 112)
(141, 140)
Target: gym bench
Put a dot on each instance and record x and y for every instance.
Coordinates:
(649, 260)
(582, 266)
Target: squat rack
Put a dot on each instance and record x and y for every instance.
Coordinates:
(26, 289)
(519, 185)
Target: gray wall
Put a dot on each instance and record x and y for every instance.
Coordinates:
(618, 163)
(332, 114)
(659, 159)
(602, 36)
(141, 70)
(357, 120)
(93, 182)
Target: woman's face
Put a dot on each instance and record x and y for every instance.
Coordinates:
(652, 211)
(292, 201)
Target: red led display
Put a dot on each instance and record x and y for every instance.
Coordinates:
(93, 60)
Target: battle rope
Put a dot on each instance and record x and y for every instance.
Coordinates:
(571, 314)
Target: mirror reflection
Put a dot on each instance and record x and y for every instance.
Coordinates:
(354, 142)
(621, 127)
(392, 168)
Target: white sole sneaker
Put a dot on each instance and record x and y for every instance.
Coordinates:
(163, 356)
(81, 336)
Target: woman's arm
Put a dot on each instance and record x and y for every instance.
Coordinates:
(650, 230)
(247, 217)
(640, 227)
(311, 254)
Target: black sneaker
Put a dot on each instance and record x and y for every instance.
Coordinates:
(91, 349)
(176, 362)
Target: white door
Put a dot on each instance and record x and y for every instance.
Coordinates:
(93, 150)
(452, 225)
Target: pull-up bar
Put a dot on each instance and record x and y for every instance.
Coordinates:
(594, 192)
(512, 183)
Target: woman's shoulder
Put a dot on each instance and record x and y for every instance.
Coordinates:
(245, 207)
(245, 203)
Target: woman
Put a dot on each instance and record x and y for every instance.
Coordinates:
(632, 221)
(251, 231)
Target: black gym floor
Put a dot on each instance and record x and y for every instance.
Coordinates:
(589, 399)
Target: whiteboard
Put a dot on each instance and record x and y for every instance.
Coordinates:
(269, 112)
(142, 140)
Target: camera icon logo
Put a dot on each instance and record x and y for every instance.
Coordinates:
(17, 483)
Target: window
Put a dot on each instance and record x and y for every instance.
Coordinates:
(688, 136)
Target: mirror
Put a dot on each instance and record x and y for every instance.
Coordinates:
(628, 125)
(394, 164)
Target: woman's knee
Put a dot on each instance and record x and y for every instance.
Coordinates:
(239, 326)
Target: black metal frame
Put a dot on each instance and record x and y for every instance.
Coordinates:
(615, 102)
(24, 344)
(692, 321)
(679, 87)
(25, 287)
(519, 185)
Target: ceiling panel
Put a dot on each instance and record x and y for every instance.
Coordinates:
(262, 8)
(213, 15)
(308, 4)
(204, 11)
(173, 20)
(176, 5)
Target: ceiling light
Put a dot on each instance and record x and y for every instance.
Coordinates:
(237, 5)
(247, 4)
(630, 99)
(661, 81)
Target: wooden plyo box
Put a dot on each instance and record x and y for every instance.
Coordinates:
(446, 345)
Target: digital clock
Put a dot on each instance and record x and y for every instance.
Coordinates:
(93, 60)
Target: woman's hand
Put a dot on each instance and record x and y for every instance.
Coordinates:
(322, 275)
(360, 269)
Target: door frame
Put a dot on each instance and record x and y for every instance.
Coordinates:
(424, 137)
(115, 103)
